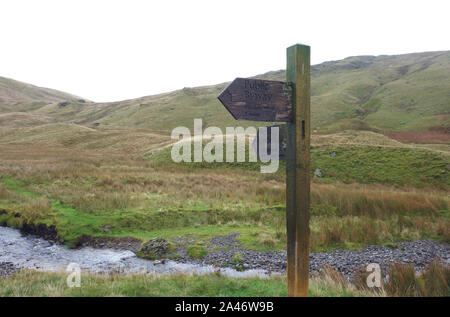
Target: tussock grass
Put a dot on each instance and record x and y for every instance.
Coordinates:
(4, 193)
(35, 209)
(197, 251)
(377, 201)
(403, 281)
(102, 201)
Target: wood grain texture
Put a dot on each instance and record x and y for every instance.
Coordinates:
(258, 100)
(298, 171)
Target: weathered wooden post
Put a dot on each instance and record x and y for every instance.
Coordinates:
(298, 171)
(275, 101)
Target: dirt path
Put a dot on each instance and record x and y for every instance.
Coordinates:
(193, 139)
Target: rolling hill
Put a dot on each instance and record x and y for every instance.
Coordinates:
(409, 92)
(16, 96)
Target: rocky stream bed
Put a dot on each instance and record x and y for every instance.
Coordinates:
(19, 251)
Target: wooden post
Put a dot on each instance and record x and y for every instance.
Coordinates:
(298, 171)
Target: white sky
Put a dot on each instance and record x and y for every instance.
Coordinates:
(113, 50)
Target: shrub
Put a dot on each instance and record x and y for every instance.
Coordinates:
(436, 280)
(267, 240)
(433, 281)
(4, 193)
(402, 281)
(238, 258)
(36, 208)
(197, 251)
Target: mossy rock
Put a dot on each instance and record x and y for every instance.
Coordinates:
(156, 248)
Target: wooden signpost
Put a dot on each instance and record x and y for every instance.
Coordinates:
(298, 171)
(273, 101)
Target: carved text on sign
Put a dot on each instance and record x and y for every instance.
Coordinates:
(258, 100)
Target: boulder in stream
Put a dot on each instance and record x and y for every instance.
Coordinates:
(156, 248)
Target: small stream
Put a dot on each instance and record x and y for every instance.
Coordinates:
(31, 252)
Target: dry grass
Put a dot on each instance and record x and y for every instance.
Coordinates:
(402, 280)
(436, 136)
(4, 193)
(339, 281)
(32, 283)
(35, 209)
(437, 141)
(377, 201)
(107, 186)
(354, 138)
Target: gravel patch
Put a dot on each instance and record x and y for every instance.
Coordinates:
(222, 250)
(7, 269)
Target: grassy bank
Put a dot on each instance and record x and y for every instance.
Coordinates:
(373, 191)
(31, 283)
(403, 281)
(341, 216)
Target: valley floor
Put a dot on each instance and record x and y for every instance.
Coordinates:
(89, 187)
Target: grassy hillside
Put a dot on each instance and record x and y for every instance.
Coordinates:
(408, 92)
(19, 96)
(394, 93)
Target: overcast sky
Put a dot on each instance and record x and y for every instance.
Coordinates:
(113, 50)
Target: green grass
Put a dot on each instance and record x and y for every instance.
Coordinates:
(32, 283)
(16, 186)
(237, 259)
(382, 165)
(197, 251)
(403, 281)
(352, 164)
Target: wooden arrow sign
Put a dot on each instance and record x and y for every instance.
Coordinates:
(258, 100)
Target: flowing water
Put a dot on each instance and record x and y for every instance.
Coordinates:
(35, 253)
